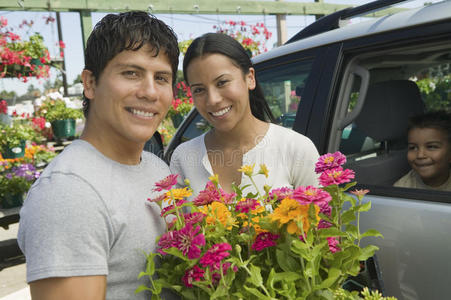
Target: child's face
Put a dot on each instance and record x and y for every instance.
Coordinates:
(429, 154)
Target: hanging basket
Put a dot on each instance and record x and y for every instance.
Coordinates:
(63, 128)
(14, 70)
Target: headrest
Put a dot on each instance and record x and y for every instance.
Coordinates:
(387, 108)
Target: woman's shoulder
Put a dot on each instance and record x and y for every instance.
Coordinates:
(287, 135)
(193, 146)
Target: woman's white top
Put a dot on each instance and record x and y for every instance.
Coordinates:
(289, 156)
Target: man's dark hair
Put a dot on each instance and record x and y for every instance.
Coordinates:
(219, 43)
(436, 119)
(128, 31)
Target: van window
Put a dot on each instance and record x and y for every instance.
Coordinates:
(403, 83)
(283, 87)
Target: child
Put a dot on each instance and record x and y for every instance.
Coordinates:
(429, 152)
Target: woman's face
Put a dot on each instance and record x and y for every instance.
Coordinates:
(221, 91)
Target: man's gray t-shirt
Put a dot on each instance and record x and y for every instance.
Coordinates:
(89, 215)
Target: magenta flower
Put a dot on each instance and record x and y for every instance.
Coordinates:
(215, 254)
(166, 183)
(165, 210)
(216, 276)
(281, 193)
(193, 218)
(264, 240)
(191, 275)
(227, 198)
(311, 194)
(166, 241)
(246, 205)
(208, 195)
(329, 161)
(324, 224)
(333, 244)
(336, 176)
(188, 242)
(157, 199)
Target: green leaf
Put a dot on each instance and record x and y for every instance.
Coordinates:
(367, 252)
(141, 274)
(251, 195)
(256, 292)
(330, 232)
(352, 230)
(348, 216)
(219, 292)
(348, 186)
(286, 262)
(365, 207)
(256, 277)
(371, 232)
(142, 288)
(332, 277)
(176, 252)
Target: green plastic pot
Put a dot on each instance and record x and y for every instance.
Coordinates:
(15, 152)
(12, 200)
(63, 128)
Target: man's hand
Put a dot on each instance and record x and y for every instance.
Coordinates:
(69, 288)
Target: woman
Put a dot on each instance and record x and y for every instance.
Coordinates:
(226, 93)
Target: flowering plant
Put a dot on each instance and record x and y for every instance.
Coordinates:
(16, 180)
(54, 107)
(22, 58)
(252, 37)
(15, 134)
(183, 100)
(278, 243)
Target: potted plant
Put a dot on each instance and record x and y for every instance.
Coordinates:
(15, 181)
(13, 138)
(54, 109)
(181, 104)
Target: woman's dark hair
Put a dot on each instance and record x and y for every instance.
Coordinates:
(436, 119)
(128, 31)
(218, 43)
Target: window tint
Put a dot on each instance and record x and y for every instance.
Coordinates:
(283, 87)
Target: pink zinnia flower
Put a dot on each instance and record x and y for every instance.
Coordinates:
(157, 199)
(188, 242)
(166, 241)
(311, 194)
(208, 195)
(228, 197)
(360, 193)
(281, 193)
(264, 240)
(167, 183)
(193, 218)
(246, 205)
(329, 161)
(191, 275)
(166, 209)
(215, 254)
(336, 176)
(324, 224)
(333, 244)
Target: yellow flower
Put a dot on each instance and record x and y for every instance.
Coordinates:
(178, 194)
(218, 212)
(263, 170)
(214, 179)
(248, 170)
(290, 212)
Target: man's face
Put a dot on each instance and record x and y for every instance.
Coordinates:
(130, 98)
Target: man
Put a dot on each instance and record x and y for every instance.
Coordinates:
(86, 224)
